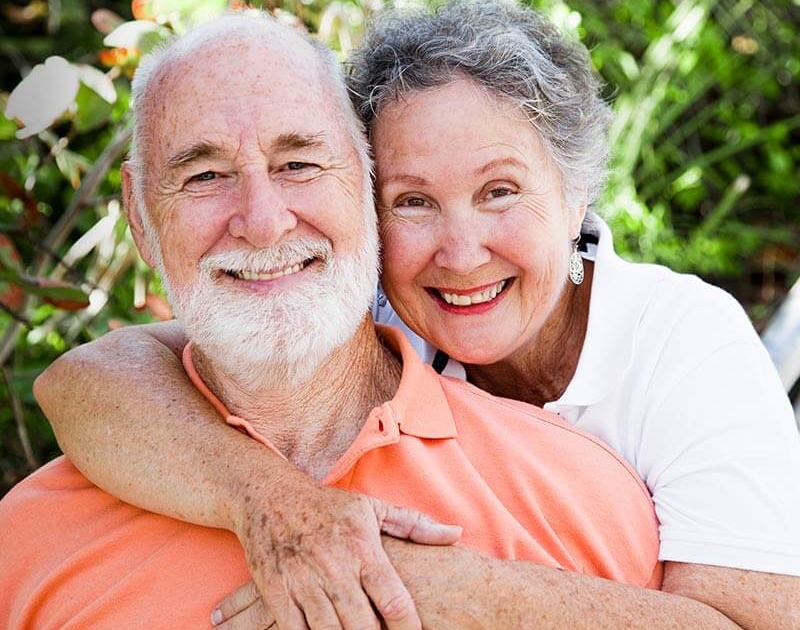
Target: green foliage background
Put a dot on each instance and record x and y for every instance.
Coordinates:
(704, 173)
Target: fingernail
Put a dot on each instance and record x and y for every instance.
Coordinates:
(216, 617)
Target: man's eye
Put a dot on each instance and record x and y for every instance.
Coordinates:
(205, 176)
(297, 166)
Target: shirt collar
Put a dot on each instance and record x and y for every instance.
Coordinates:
(618, 301)
(419, 408)
(420, 404)
(235, 421)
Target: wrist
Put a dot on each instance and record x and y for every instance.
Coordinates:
(264, 486)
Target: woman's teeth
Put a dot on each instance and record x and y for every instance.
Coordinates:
(474, 298)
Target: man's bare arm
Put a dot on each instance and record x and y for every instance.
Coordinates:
(456, 588)
(124, 412)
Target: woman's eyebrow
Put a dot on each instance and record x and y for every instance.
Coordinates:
(492, 164)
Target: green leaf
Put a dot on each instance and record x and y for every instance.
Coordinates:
(92, 110)
(71, 166)
(141, 34)
(60, 294)
(8, 128)
(191, 11)
(56, 292)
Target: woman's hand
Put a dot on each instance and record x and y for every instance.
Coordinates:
(317, 561)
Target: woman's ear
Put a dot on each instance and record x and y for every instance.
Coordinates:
(578, 215)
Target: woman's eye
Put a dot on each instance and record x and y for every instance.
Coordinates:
(496, 193)
(412, 207)
(499, 196)
(414, 202)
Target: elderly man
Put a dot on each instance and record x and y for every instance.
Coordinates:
(248, 189)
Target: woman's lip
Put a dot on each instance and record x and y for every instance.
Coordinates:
(471, 301)
(469, 291)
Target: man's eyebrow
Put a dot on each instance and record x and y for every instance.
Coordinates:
(192, 153)
(289, 141)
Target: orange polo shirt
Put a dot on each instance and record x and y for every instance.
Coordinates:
(522, 483)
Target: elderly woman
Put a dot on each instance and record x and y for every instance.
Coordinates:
(489, 140)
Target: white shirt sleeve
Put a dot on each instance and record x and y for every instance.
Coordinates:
(674, 377)
(718, 446)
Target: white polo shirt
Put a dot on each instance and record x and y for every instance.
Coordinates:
(674, 377)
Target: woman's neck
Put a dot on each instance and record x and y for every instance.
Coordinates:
(540, 372)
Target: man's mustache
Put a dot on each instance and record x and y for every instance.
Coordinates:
(297, 252)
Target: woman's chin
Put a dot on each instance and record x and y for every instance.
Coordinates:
(471, 356)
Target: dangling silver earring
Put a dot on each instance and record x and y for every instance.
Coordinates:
(576, 264)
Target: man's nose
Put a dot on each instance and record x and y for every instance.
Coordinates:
(263, 216)
(462, 241)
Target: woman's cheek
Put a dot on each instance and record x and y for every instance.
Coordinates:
(397, 239)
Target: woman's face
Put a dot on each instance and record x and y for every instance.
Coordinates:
(476, 236)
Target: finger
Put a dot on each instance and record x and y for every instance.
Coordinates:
(305, 588)
(253, 617)
(390, 596)
(282, 607)
(236, 602)
(321, 614)
(351, 606)
(402, 522)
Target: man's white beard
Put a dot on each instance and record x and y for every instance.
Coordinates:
(279, 338)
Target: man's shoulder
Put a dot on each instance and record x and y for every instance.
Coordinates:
(49, 482)
(55, 507)
(536, 429)
(75, 556)
(588, 493)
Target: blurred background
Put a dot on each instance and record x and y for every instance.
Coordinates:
(704, 173)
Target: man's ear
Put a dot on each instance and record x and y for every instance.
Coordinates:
(133, 211)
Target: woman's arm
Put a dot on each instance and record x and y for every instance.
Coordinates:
(457, 588)
(124, 412)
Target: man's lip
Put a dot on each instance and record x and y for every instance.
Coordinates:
(251, 275)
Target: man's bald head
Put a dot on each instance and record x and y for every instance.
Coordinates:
(224, 36)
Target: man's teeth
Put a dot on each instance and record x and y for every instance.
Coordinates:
(260, 275)
(475, 298)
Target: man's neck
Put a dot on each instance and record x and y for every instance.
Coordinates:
(313, 422)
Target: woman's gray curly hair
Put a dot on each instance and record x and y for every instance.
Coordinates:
(513, 52)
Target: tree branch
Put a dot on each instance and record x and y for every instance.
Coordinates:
(91, 182)
(22, 430)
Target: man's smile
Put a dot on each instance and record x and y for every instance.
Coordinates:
(248, 274)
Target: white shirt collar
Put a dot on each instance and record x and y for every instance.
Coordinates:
(618, 301)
